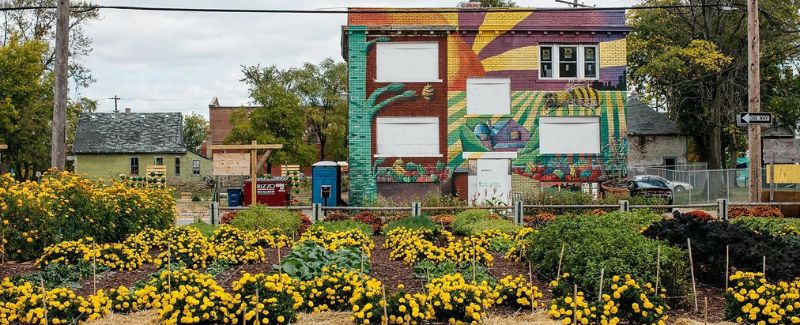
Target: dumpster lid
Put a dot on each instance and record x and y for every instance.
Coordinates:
(325, 163)
(275, 179)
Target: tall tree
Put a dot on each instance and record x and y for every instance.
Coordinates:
(320, 89)
(26, 97)
(691, 62)
(279, 119)
(194, 131)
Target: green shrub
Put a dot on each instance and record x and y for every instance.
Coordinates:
(421, 222)
(465, 219)
(307, 259)
(344, 225)
(500, 245)
(772, 226)
(206, 229)
(477, 227)
(257, 217)
(611, 242)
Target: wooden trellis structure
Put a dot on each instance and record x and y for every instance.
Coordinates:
(255, 162)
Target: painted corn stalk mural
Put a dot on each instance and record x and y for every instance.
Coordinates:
(557, 65)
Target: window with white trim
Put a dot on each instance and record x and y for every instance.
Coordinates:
(407, 62)
(195, 167)
(568, 61)
(569, 135)
(407, 137)
(488, 96)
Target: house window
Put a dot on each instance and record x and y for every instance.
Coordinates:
(489, 96)
(568, 61)
(177, 166)
(195, 167)
(159, 161)
(407, 62)
(408, 137)
(134, 165)
(569, 135)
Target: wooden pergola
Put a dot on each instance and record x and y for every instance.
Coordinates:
(255, 164)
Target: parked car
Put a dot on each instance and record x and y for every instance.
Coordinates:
(673, 185)
(651, 188)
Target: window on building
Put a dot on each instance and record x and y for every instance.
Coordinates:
(134, 165)
(407, 62)
(159, 161)
(488, 96)
(563, 61)
(408, 136)
(195, 167)
(569, 135)
(177, 166)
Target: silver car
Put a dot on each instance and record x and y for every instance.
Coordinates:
(673, 185)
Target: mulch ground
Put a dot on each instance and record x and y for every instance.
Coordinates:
(226, 279)
(9, 269)
(391, 273)
(114, 279)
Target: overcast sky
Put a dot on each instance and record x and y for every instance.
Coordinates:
(177, 62)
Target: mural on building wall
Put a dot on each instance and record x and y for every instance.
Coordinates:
(484, 44)
(410, 172)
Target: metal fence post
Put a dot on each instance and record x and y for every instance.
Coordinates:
(214, 213)
(316, 212)
(722, 209)
(518, 212)
(624, 206)
(416, 209)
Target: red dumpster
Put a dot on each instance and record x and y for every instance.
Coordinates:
(274, 191)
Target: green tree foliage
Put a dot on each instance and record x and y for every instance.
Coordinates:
(194, 131)
(692, 62)
(25, 105)
(320, 88)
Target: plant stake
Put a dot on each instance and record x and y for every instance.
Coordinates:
(530, 282)
(385, 311)
(691, 268)
(44, 298)
(658, 267)
(574, 303)
(600, 295)
(94, 269)
(560, 258)
(705, 301)
(727, 265)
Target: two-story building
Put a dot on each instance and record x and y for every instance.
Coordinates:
(482, 103)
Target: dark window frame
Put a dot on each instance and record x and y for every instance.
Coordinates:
(134, 167)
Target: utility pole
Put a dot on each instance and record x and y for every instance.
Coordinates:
(116, 99)
(754, 99)
(58, 152)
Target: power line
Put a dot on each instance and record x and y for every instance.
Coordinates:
(370, 10)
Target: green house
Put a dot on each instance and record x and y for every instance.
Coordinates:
(108, 145)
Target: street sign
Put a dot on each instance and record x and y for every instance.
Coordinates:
(745, 119)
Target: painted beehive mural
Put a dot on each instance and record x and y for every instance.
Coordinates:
(522, 47)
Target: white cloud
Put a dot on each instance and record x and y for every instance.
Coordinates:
(178, 61)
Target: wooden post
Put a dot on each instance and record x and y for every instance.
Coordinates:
(94, 269)
(764, 267)
(279, 258)
(754, 99)
(385, 302)
(574, 303)
(474, 256)
(253, 180)
(258, 310)
(727, 265)
(691, 268)
(658, 267)
(255, 162)
(58, 148)
(530, 283)
(560, 258)
(361, 262)
(705, 304)
(600, 295)
(44, 298)
(169, 268)
(772, 178)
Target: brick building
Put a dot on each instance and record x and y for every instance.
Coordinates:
(219, 123)
(482, 103)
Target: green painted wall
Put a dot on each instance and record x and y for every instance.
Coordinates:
(108, 166)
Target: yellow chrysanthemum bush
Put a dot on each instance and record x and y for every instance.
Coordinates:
(332, 241)
(185, 296)
(265, 299)
(401, 307)
(236, 246)
(123, 300)
(519, 248)
(623, 300)
(60, 306)
(469, 249)
(63, 206)
(114, 256)
(332, 290)
(753, 300)
(270, 239)
(413, 245)
(10, 295)
(186, 246)
(454, 300)
(517, 292)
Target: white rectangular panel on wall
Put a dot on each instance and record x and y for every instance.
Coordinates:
(407, 62)
(408, 136)
(488, 96)
(569, 135)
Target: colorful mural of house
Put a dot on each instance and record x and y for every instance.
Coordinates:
(480, 103)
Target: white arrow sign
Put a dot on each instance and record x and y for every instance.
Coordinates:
(754, 118)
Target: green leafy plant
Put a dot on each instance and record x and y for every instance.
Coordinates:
(420, 222)
(480, 226)
(464, 220)
(500, 244)
(772, 226)
(204, 228)
(62, 276)
(257, 217)
(307, 260)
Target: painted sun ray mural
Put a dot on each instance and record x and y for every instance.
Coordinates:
(497, 45)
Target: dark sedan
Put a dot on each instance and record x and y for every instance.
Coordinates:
(651, 188)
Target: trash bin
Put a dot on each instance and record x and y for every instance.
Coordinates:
(234, 197)
(274, 191)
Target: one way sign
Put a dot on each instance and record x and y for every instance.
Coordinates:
(745, 119)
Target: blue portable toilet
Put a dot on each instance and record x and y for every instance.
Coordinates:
(326, 183)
